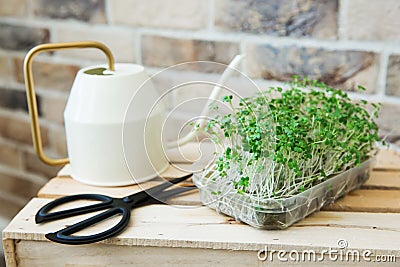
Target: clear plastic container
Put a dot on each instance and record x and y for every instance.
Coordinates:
(281, 213)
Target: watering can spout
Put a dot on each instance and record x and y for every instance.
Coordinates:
(201, 123)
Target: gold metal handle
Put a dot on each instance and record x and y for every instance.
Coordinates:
(31, 95)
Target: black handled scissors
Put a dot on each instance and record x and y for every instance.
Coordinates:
(113, 206)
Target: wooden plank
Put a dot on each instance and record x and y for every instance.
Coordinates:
(383, 180)
(33, 253)
(388, 160)
(9, 252)
(168, 226)
(46, 254)
(366, 200)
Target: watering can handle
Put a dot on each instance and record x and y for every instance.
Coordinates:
(31, 95)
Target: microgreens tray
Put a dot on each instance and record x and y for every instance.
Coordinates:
(279, 213)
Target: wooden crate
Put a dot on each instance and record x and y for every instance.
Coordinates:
(191, 234)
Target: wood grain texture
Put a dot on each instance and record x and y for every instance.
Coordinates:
(388, 160)
(124, 256)
(200, 227)
(9, 252)
(383, 180)
(366, 200)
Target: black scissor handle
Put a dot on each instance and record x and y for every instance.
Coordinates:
(65, 236)
(44, 214)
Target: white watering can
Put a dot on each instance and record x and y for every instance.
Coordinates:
(94, 121)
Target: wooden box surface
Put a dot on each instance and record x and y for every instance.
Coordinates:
(190, 234)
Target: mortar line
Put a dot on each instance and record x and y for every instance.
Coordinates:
(242, 51)
(341, 20)
(384, 61)
(108, 13)
(211, 15)
(30, 9)
(138, 47)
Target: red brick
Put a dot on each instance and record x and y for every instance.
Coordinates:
(10, 155)
(48, 75)
(20, 130)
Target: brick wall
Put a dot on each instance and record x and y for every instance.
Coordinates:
(342, 42)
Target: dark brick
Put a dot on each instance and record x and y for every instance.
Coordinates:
(14, 37)
(334, 67)
(84, 10)
(16, 100)
(295, 18)
(393, 78)
(164, 51)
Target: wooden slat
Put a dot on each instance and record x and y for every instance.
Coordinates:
(45, 254)
(9, 252)
(366, 200)
(388, 160)
(168, 226)
(383, 180)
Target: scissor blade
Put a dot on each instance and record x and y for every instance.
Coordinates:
(174, 192)
(169, 183)
(161, 198)
(154, 191)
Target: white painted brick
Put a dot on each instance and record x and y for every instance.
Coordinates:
(181, 14)
(120, 41)
(372, 20)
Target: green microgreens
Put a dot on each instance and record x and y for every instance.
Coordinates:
(276, 147)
